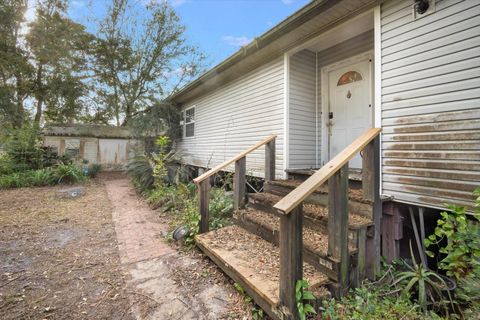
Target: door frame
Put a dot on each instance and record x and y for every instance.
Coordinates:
(325, 96)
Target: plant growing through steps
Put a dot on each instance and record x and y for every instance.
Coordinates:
(302, 296)
(257, 312)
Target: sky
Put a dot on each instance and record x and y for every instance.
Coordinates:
(218, 27)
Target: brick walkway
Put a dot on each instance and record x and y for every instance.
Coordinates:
(151, 263)
(139, 233)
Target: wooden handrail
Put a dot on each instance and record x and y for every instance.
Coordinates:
(221, 166)
(298, 195)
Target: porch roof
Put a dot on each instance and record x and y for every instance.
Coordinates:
(307, 23)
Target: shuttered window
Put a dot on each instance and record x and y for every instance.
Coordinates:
(190, 122)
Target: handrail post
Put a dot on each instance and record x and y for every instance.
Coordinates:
(371, 192)
(338, 224)
(203, 198)
(291, 258)
(239, 183)
(270, 161)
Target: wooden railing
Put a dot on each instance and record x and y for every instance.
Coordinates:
(290, 209)
(239, 178)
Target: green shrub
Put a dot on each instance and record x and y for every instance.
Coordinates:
(220, 208)
(140, 169)
(41, 177)
(24, 148)
(369, 303)
(93, 169)
(462, 237)
(66, 173)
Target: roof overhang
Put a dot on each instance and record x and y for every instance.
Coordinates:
(307, 23)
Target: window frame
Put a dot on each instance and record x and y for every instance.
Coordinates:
(192, 121)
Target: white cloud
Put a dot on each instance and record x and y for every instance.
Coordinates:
(287, 2)
(237, 41)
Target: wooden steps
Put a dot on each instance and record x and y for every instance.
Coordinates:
(356, 203)
(254, 263)
(315, 240)
(315, 214)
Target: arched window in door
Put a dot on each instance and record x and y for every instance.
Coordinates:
(349, 77)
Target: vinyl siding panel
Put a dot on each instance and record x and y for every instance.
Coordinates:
(235, 117)
(431, 102)
(302, 111)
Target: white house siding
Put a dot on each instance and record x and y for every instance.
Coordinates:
(349, 48)
(232, 118)
(431, 102)
(302, 111)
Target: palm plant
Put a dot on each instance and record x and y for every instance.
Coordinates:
(427, 284)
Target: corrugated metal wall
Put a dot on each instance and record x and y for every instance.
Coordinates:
(302, 111)
(234, 117)
(431, 102)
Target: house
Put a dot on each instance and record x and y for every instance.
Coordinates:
(319, 82)
(108, 146)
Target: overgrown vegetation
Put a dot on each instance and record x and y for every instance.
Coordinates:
(302, 297)
(255, 311)
(408, 290)
(25, 162)
(164, 182)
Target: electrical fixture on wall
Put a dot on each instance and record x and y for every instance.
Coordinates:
(421, 8)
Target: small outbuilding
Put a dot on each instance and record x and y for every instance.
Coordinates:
(109, 146)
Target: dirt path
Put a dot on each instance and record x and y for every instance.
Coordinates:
(59, 257)
(180, 285)
(67, 259)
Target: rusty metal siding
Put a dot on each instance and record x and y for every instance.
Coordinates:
(431, 102)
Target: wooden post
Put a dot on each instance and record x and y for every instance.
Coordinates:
(338, 223)
(270, 161)
(371, 191)
(239, 184)
(291, 258)
(361, 243)
(203, 197)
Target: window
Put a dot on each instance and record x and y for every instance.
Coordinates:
(190, 122)
(349, 77)
(72, 147)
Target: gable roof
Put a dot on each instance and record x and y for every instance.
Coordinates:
(308, 22)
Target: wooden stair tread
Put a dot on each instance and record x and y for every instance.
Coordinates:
(251, 261)
(314, 240)
(314, 211)
(353, 194)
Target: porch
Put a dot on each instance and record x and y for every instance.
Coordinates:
(329, 95)
(270, 248)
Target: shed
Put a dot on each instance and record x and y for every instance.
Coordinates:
(109, 146)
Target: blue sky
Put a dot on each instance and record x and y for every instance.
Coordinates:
(221, 27)
(217, 27)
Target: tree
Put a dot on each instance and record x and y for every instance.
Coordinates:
(14, 66)
(141, 56)
(59, 49)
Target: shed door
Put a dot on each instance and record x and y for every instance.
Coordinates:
(112, 151)
(350, 110)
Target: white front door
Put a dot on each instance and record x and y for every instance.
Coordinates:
(350, 110)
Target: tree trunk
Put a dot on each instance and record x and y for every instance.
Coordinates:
(39, 95)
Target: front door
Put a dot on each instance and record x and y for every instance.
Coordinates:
(350, 110)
